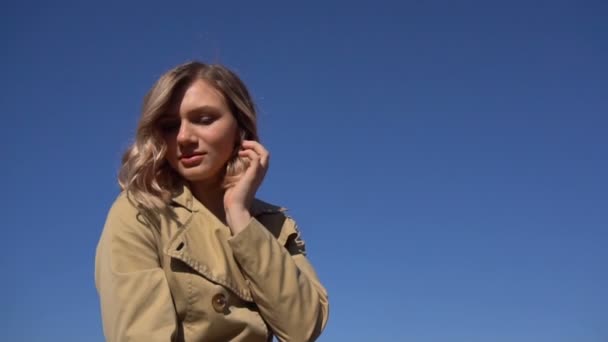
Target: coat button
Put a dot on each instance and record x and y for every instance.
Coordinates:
(219, 302)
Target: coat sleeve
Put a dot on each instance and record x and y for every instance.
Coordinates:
(283, 283)
(136, 303)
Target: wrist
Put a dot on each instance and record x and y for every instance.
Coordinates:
(235, 208)
(237, 219)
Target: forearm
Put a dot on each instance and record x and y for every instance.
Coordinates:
(290, 298)
(238, 218)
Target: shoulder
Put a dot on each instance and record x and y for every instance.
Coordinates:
(125, 218)
(127, 242)
(122, 205)
(260, 207)
(124, 209)
(277, 220)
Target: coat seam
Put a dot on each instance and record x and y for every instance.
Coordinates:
(263, 323)
(190, 301)
(195, 264)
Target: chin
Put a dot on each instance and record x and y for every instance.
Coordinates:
(196, 175)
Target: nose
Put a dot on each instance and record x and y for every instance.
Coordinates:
(185, 135)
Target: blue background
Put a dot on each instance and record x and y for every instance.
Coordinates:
(446, 160)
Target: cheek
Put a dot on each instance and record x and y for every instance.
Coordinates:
(223, 141)
(223, 147)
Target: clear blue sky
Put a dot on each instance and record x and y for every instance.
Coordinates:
(446, 160)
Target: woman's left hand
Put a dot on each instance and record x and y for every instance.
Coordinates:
(239, 197)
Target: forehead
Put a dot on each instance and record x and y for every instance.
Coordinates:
(199, 94)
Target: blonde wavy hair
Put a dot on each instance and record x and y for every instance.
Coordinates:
(145, 174)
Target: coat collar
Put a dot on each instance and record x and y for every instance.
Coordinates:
(202, 242)
(184, 198)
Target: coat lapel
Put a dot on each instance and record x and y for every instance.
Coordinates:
(202, 243)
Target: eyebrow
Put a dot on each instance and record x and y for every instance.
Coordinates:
(205, 109)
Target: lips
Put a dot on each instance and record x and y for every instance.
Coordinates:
(189, 160)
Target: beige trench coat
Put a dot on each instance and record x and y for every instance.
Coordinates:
(187, 278)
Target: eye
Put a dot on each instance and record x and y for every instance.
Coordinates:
(205, 119)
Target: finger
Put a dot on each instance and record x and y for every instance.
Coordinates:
(256, 146)
(256, 172)
(254, 158)
(259, 149)
(263, 159)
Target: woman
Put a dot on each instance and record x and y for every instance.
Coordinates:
(187, 252)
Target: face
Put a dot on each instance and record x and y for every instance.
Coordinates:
(200, 133)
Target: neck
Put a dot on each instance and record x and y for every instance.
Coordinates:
(211, 195)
